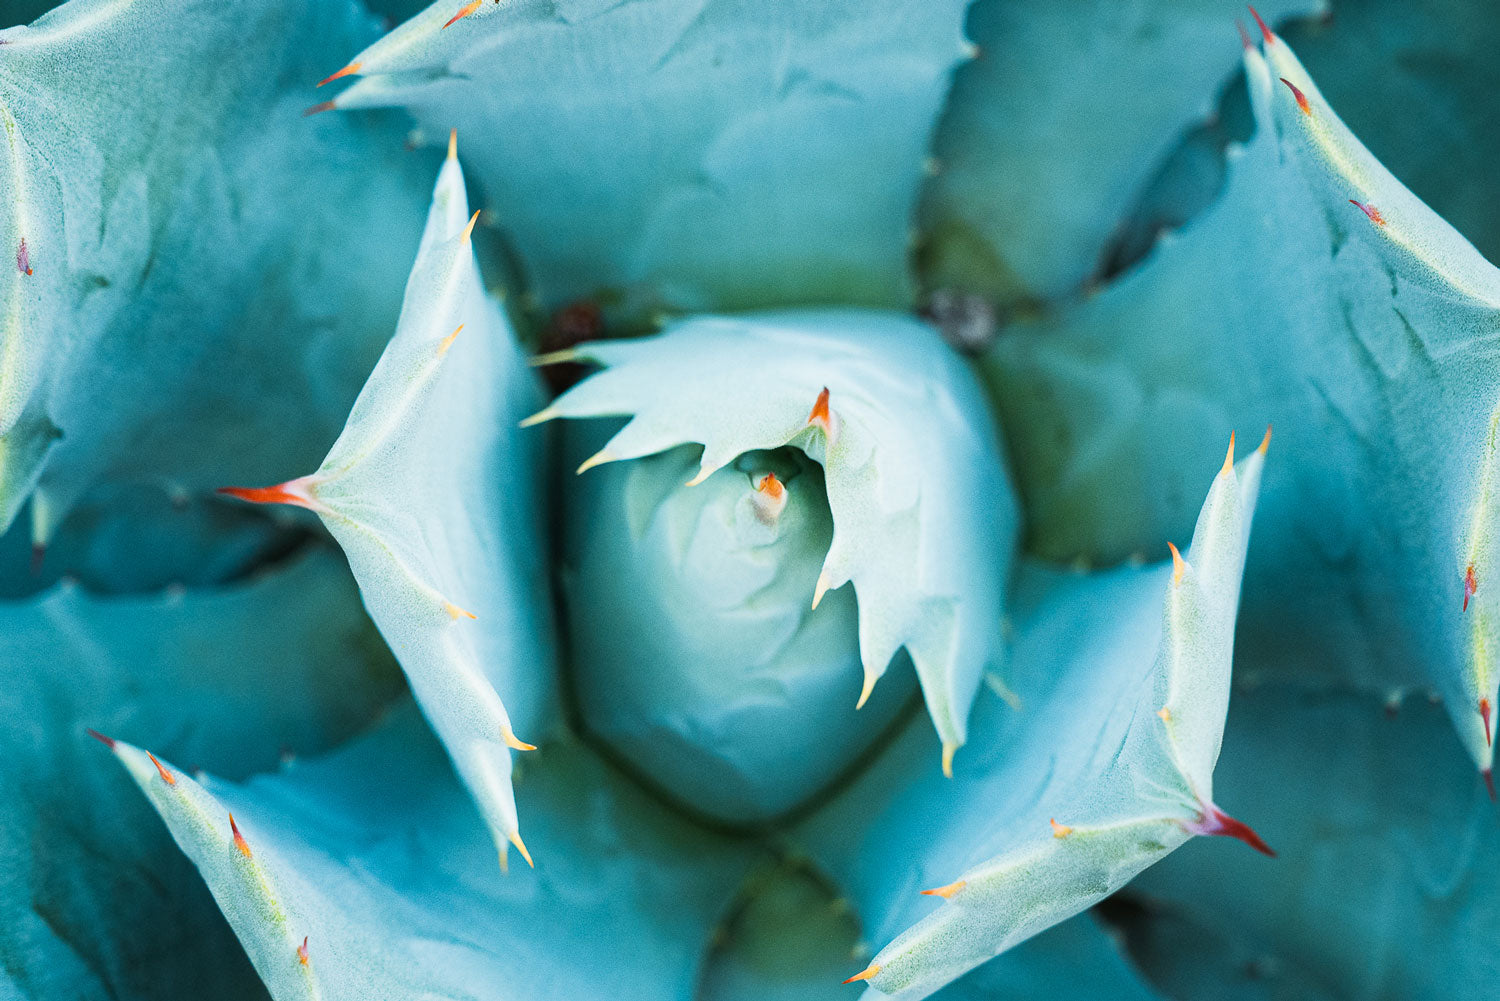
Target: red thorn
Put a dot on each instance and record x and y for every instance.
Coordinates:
(23, 258)
(1301, 97)
(38, 555)
(464, 11)
(108, 742)
(1244, 35)
(1489, 783)
(1471, 584)
(291, 492)
(1368, 210)
(302, 951)
(1484, 714)
(1216, 822)
(1265, 32)
(351, 68)
(319, 108)
(166, 776)
(239, 839)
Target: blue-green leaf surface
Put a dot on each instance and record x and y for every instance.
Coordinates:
(94, 903)
(1321, 295)
(191, 269)
(397, 897)
(437, 497)
(685, 155)
(1387, 886)
(1049, 137)
(924, 521)
(1103, 767)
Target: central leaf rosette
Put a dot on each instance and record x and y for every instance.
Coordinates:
(695, 651)
(776, 458)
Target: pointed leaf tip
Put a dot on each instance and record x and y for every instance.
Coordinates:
(1489, 782)
(1178, 564)
(1265, 442)
(166, 776)
(1244, 35)
(946, 892)
(515, 743)
(949, 749)
(820, 589)
(448, 341)
(108, 742)
(822, 417)
(463, 12)
(239, 839)
(1229, 457)
(1217, 823)
(302, 951)
(453, 144)
(771, 486)
(469, 229)
(346, 71)
(1484, 714)
(515, 839)
(1059, 831)
(868, 973)
(867, 687)
(1265, 31)
(455, 612)
(1301, 97)
(319, 108)
(294, 492)
(1471, 585)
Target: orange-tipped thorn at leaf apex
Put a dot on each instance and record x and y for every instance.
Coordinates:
(868, 973)
(1216, 822)
(296, 492)
(515, 839)
(469, 229)
(456, 613)
(946, 892)
(1265, 443)
(1178, 564)
(453, 144)
(1301, 97)
(346, 71)
(515, 743)
(108, 742)
(302, 951)
(771, 486)
(822, 417)
(464, 12)
(1229, 458)
(1265, 31)
(1484, 714)
(239, 839)
(448, 341)
(1165, 714)
(166, 776)
(1059, 830)
(949, 749)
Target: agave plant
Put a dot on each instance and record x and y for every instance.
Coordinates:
(766, 495)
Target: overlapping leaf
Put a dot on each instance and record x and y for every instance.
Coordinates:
(195, 279)
(923, 517)
(436, 497)
(94, 903)
(687, 155)
(1104, 767)
(1051, 135)
(1323, 295)
(343, 892)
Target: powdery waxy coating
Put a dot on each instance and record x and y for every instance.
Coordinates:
(758, 154)
(1321, 294)
(191, 269)
(1105, 768)
(435, 498)
(924, 521)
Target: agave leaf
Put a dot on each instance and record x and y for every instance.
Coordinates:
(1048, 138)
(923, 517)
(1433, 60)
(1105, 767)
(1386, 886)
(1323, 294)
(1074, 961)
(190, 267)
(692, 651)
(436, 498)
(685, 155)
(93, 902)
(340, 891)
(137, 539)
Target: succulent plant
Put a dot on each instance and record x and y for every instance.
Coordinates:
(766, 495)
